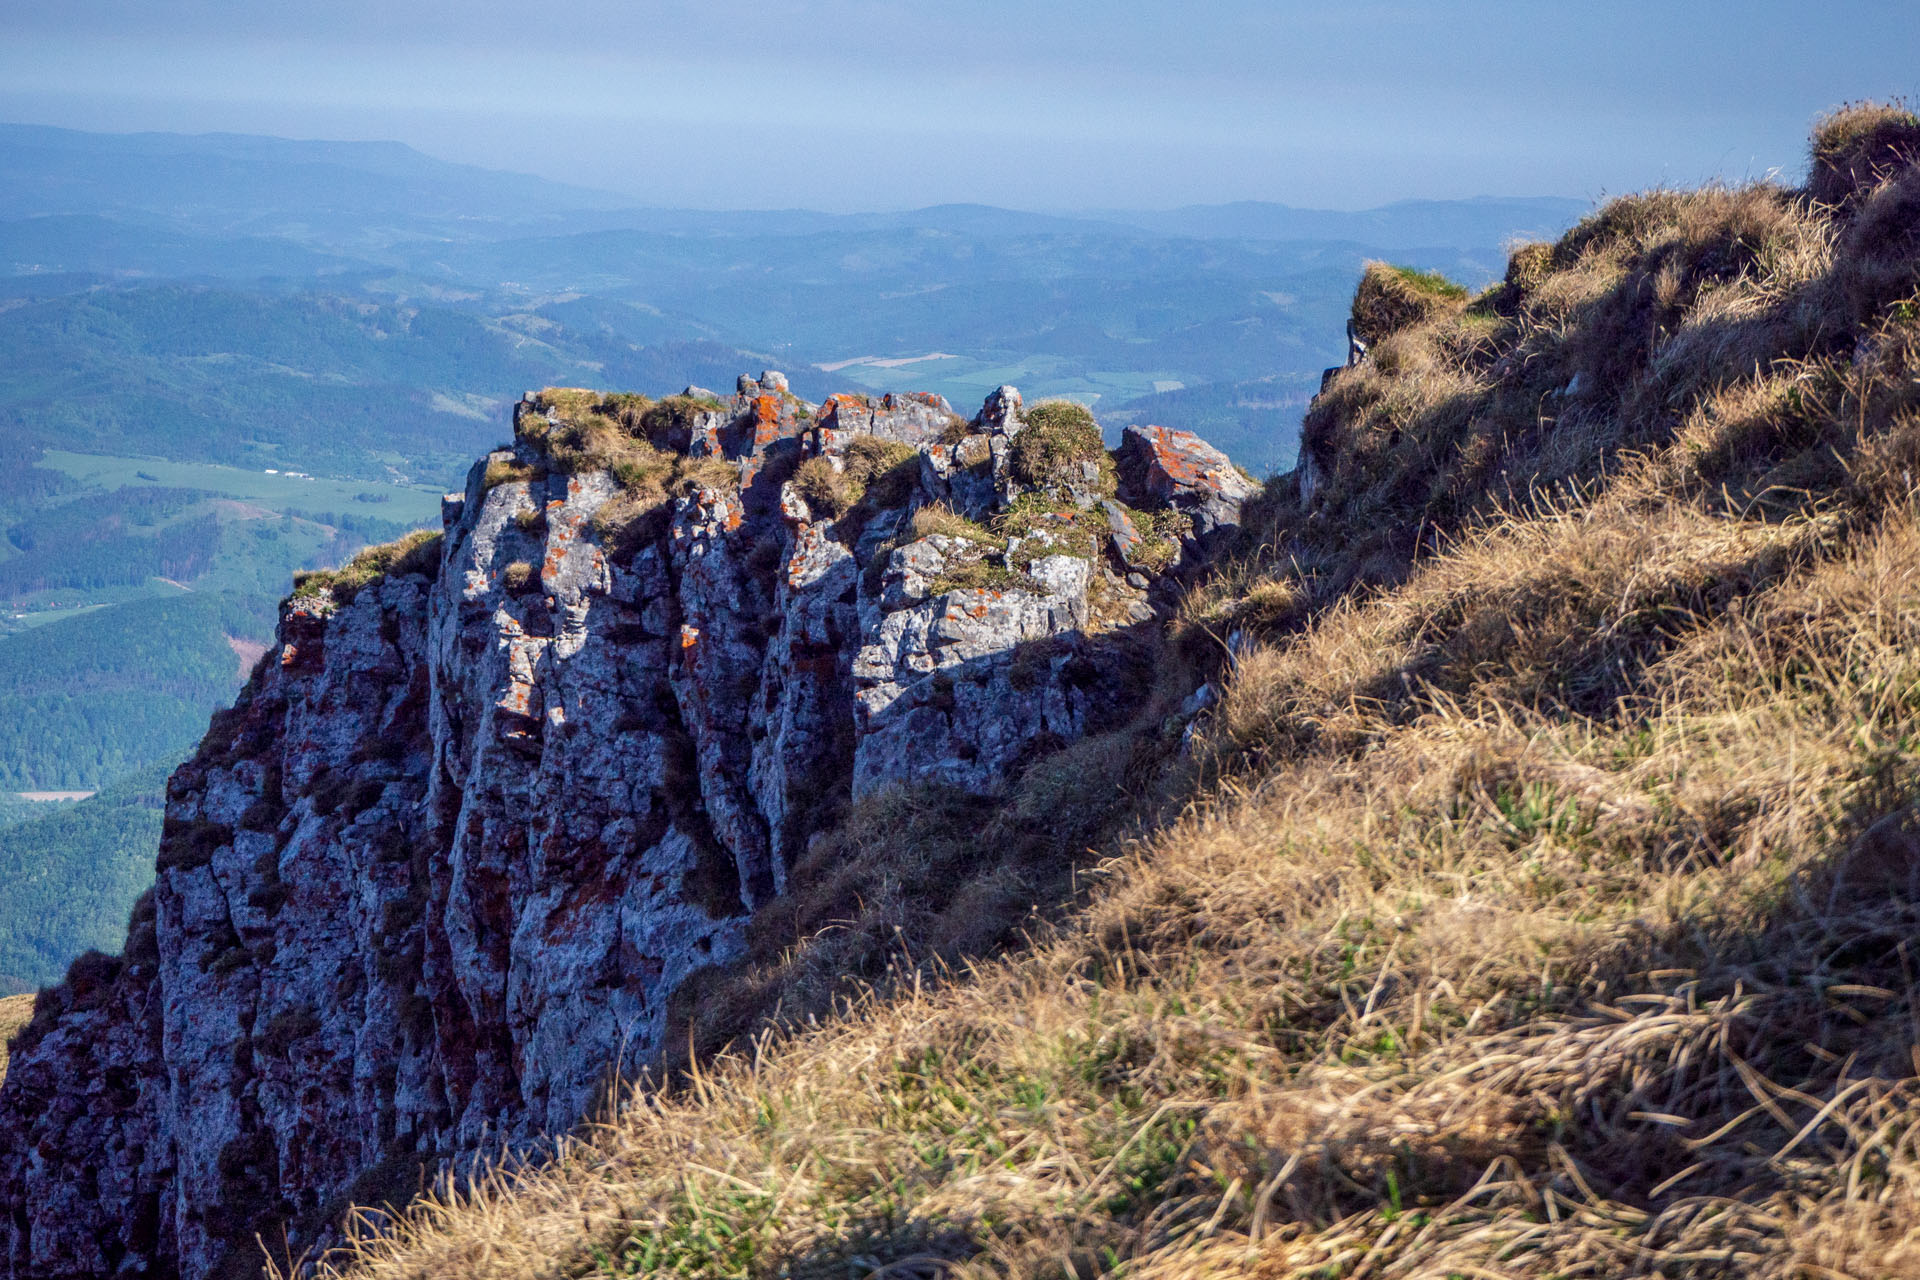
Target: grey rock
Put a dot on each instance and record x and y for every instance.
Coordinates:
(1199, 700)
(1001, 412)
(1159, 466)
(1306, 479)
(445, 863)
(1122, 535)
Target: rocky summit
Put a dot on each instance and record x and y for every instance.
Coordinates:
(498, 791)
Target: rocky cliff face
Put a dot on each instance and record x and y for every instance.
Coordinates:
(495, 794)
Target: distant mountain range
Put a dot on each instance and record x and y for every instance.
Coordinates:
(361, 193)
(238, 183)
(278, 253)
(1405, 224)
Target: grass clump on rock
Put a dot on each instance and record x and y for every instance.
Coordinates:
(937, 517)
(884, 470)
(934, 518)
(640, 442)
(1045, 525)
(507, 471)
(1057, 439)
(1391, 298)
(1857, 146)
(582, 430)
(1160, 532)
(669, 422)
(649, 483)
(414, 553)
(519, 577)
(826, 488)
(984, 574)
(872, 473)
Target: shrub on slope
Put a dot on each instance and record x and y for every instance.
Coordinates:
(1546, 901)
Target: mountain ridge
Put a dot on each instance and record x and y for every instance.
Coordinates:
(35, 158)
(1499, 859)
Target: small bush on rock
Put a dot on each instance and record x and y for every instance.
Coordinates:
(827, 490)
(518, 577)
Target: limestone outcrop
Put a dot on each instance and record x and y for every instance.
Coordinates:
(496, 793)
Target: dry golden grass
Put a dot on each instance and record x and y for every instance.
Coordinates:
(1542, 899)
(1857, 145)
(870, 475)
(826, 488)
(505, 471)
(15, 1013)
(884, 470)
(416, 552)
(937, 517)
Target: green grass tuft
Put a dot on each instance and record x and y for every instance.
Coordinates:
(1392, 298)
(1056, 439)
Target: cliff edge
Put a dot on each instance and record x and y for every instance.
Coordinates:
(498, 791)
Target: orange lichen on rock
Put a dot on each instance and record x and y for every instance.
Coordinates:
(855, 407)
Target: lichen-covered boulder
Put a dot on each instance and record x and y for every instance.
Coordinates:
(1162, 466)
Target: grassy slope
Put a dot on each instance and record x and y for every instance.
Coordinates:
(1542, 900)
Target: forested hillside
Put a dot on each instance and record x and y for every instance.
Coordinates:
(105, 693)
(71, 876)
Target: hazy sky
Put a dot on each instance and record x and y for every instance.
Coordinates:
(857, 104)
